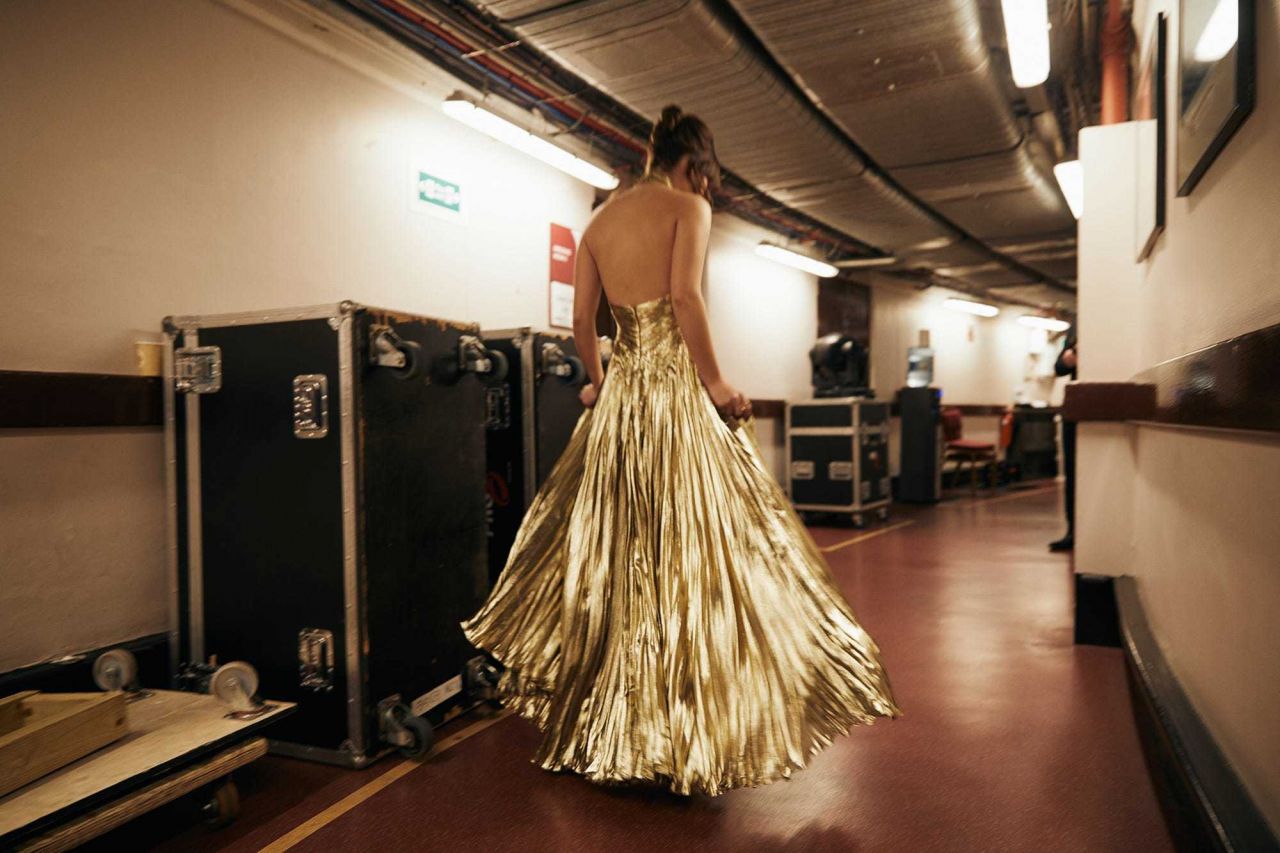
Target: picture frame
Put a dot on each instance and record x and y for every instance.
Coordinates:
(1217, 70)
(1150, 110)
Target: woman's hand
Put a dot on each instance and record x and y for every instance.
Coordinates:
(588, 395)
(729, 401)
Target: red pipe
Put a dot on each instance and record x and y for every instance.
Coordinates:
(524, 84)
(1115, 64)
(503, 71)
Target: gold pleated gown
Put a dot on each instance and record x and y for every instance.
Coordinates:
(663, 615)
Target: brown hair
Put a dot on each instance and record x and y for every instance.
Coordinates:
(677, 134)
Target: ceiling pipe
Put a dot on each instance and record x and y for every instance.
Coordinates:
(1115, 64)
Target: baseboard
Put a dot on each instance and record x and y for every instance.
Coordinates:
(1204, 803)
(74, 673)
(1096, 621)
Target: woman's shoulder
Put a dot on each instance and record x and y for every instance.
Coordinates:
(658, 201)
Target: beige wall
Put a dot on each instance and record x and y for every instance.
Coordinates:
(1191, 513)
(977, 360)
(82, 527)
(206, 156)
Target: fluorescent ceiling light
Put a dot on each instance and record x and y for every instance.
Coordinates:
(822, 269)
(1071, 180)
(504, 131)
(1049, 324)
(980, 308)
(1026, 29)
(1220, 33)
(866, 263)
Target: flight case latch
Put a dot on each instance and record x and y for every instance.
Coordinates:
(197, 370)
(315, 659)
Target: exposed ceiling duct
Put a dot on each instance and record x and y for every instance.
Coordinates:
(892, 121)
(917, 84)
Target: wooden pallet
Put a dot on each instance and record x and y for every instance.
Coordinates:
(118, 812)
(170, 733)
(40, 732)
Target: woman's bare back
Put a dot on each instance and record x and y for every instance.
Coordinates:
(631, 238)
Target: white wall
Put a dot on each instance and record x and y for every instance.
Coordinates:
(184, 159)
(1108, 344)
(765, 314)
(764, 320)
(205, 156)
(977, 360)
(1200, 535)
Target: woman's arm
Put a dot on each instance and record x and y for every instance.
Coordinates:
(688, 254)
(586, 302)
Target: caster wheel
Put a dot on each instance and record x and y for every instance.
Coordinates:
(578, 371)
(858, 521)
(883, 513)
(412, 352)
(222, 807)
(499, 366)
(422, 734)
(480, 678)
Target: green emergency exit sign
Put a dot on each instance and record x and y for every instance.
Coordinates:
(439, 193)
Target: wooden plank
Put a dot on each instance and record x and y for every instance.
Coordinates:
(12, 711)
(1108, 401)
(103, 820)
(165, 728)
(1233, 384)
(60, 729)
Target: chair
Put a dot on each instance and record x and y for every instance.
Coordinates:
(963, 450)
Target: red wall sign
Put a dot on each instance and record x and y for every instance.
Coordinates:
(564, 249)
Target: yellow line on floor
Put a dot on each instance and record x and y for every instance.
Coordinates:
(1000, 499)
(349, 802)
(865, 536)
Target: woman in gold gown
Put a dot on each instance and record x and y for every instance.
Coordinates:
(663, 615)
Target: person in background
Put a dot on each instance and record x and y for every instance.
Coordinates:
(1066, 366)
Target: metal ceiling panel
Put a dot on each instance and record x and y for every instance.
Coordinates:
(649, 54)
(912, 82)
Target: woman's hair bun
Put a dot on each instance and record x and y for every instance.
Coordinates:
(678, 134)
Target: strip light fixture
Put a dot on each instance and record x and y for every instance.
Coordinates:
(1049, 324)
(822, 269)
(1070, 177)
(463, 109)
(982, 309)
(866, 263)
(1026, 29)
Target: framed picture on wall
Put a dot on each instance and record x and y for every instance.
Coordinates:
(1149, 108)
(1216, 81)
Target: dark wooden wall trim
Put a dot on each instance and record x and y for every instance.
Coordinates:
(777, 408)
(981, 410)
(769, 408)
(1234, 384)
(32, 399)
(1108, 401)
(1204, 803)
(74, 673)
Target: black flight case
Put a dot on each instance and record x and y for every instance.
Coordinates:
(838, 456)
(327, 524)
(530, 415)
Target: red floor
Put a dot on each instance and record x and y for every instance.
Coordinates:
(1013, 739)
